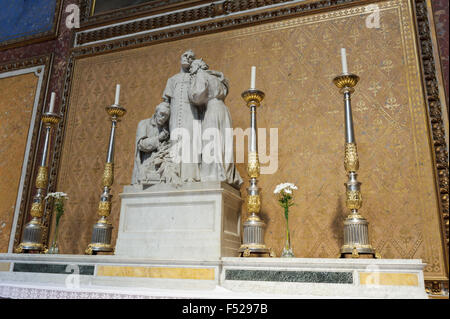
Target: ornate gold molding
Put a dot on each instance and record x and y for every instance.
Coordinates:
(253, 167)
(351, 160)
(208, 11)
(108, 175)
(431, 88)
(37, 210)
(437, 289)
(42, 177)
(104, 209)
(346, 81)
(354, 199)
(26, 63)
(253, 204)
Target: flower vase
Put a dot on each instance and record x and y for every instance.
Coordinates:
(54, 248)
(287, 250)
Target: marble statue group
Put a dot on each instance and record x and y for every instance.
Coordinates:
(189, 138)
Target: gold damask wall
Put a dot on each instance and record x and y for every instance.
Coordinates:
(296, 60)
(16, 108)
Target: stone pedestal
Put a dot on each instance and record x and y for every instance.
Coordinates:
(195, 221)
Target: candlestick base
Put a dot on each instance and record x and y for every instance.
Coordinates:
(253, 242)
(356, 239)
(101, 238)
(32, 237)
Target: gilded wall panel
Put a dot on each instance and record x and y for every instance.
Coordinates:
(296, 61)
(16, 108)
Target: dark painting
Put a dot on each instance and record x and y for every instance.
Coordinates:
(24, 19)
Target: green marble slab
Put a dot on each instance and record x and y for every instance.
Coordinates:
(290, 276)
(54, 268)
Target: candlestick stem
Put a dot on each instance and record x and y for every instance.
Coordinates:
(253, 241)
(356, 233)
(102, 230)
(349, 131)
(33, 231)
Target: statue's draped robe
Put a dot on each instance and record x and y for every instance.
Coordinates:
(209, 88)
(147, 143)
(184, 115)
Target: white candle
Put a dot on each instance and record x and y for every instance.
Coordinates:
(116, 101)
(253, 78)
(344, 61)
(52, 102)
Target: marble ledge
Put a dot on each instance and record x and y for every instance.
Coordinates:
(101, 259)
(325, 263)
(269, 277)
(171, 189)
(307, 263)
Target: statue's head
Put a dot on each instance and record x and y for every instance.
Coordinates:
(197, 65)
(186, 59)
(162, 113)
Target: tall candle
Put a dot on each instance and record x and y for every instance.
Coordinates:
(344, 61)
(116, 101)
(52, 102)
(253, 78)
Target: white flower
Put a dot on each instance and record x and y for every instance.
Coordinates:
(57, 195)
(277, 189)
(286, 187)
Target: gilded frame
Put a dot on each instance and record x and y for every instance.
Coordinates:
(228, 15)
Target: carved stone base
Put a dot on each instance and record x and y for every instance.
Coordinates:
(196, 221)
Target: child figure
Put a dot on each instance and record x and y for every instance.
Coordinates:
(152, 145)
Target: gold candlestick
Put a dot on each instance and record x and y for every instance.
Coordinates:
(253, 241)
(32, 234)
(356, 233)
(101, 235)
